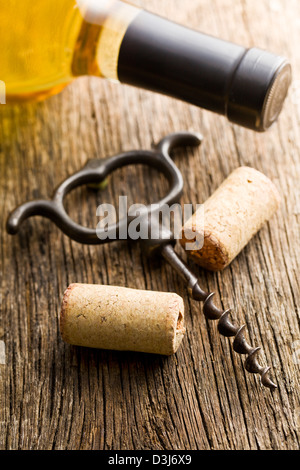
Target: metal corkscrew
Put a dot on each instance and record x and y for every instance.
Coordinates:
(95, 172)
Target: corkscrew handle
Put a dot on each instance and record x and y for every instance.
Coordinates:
(95, 172)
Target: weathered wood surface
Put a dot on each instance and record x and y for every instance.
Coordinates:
(54, 396)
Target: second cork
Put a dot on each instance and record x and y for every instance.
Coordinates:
(230, 218)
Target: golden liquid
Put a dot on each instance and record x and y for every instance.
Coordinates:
(46, 43)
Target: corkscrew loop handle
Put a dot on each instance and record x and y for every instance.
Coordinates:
(95, 172)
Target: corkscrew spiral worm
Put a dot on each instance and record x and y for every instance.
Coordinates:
(240, 345)
(225, 327)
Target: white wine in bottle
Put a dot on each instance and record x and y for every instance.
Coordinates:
(48, 43)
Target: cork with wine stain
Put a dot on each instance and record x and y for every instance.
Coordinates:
(229, 219)
(122, 319)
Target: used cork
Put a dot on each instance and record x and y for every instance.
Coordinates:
(230, 218)
(117, 318)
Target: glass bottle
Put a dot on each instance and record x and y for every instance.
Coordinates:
(48, 43)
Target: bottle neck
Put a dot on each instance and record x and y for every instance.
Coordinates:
(165, 57)
(249, 86)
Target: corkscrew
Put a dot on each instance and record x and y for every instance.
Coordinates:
(95, 172)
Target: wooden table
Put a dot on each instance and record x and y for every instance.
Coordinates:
(54, 396)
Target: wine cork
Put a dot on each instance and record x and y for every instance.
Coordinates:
(230, 218)
(117, 318)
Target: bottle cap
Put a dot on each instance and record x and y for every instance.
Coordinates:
(258, 90)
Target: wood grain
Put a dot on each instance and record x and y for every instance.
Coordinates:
(54, 396)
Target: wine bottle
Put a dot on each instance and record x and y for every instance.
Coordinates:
(48, 43)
